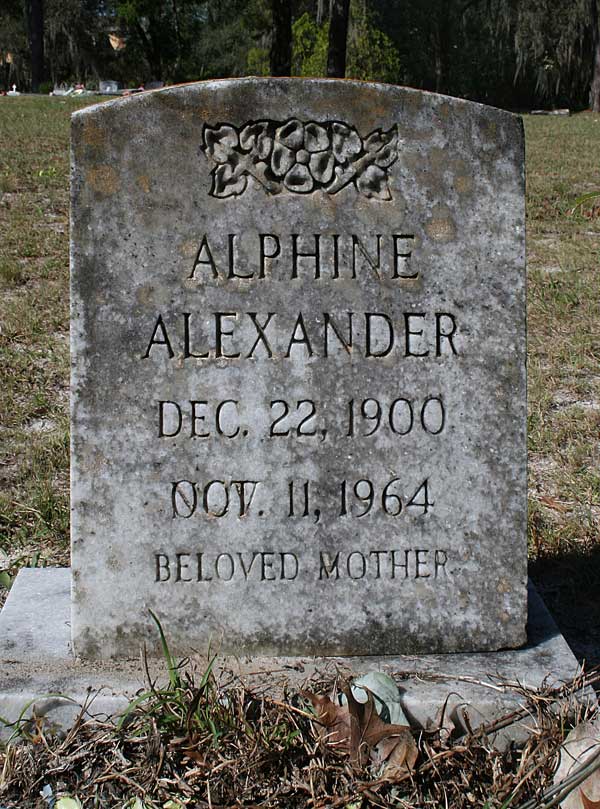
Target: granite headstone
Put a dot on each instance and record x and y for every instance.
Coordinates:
(298, 385)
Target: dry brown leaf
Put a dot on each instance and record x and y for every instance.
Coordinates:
(357, 729)
(399, 752)
(335, 718)
(587, 803)
(194, 755)
(381, 741)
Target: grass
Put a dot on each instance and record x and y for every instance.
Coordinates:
(563, 163)
(34, 328)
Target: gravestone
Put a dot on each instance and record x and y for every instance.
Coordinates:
(108, 87)
(298, 337)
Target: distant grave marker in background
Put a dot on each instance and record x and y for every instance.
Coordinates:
(298, 344)
(109, 87)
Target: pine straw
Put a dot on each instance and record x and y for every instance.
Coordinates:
(212, 742)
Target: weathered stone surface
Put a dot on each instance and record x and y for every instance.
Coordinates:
(215, 388)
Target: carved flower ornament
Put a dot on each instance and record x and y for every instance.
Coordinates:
(299, 158)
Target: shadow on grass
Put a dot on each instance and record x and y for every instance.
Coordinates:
(569, 584)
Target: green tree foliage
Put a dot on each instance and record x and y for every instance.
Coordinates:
(257, 62)
(76, 46)
(505, 52)
(552, 45)
(229, 30)
(184, 40)
(153, 29)
(371, 53)
(372, 56)
(309, 49)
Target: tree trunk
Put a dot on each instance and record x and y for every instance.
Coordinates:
(320, 12)
(177, 66)
(442, 48)
(595, 86)
(151, 50)
(35, 31)
(338, 34)
(281, 45)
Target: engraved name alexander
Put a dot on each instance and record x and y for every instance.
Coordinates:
(246, 335)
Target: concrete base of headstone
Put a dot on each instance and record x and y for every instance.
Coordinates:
(37, 667)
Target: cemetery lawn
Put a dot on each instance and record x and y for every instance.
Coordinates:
(563, 259)
(34, 331)
(563, 162)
